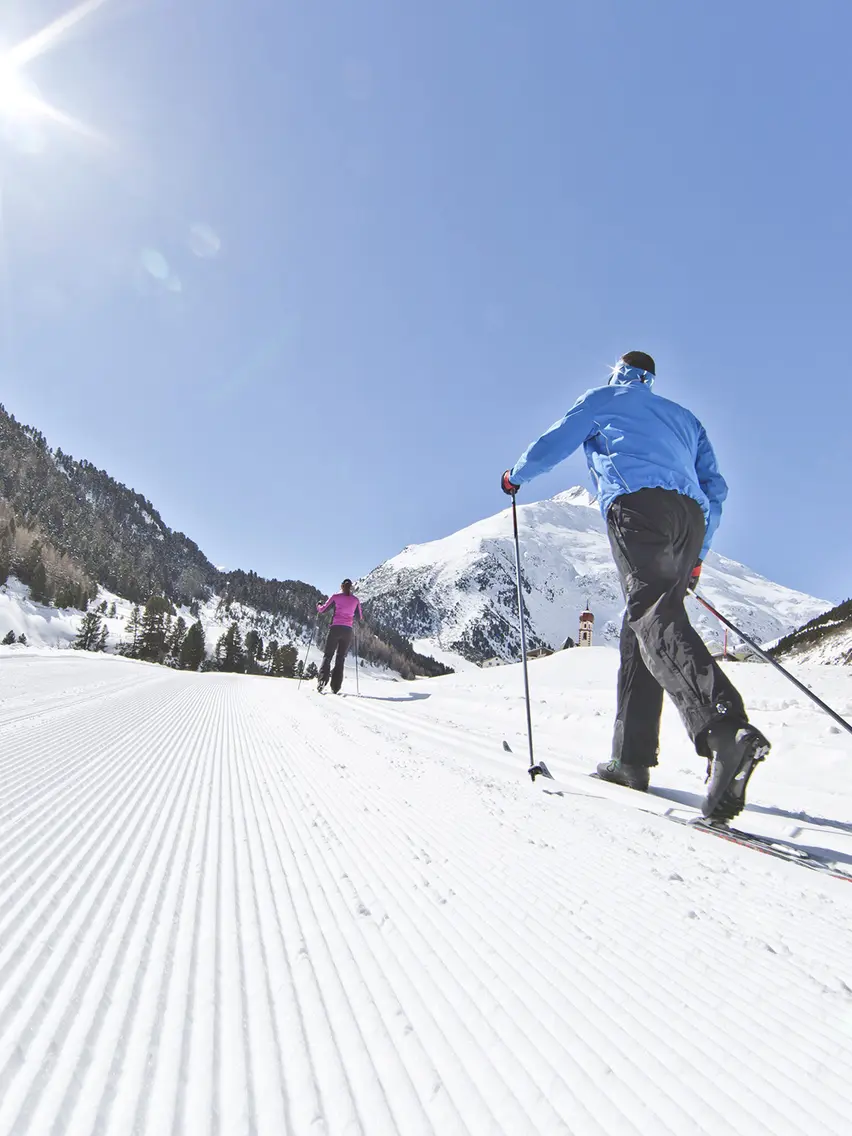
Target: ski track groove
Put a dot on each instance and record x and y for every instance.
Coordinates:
(471, 1027)
(345, 949)
(110, 881)
(214, 924)
(388, 1055)
(781, 1050)
(540, 1059)
(806, 934)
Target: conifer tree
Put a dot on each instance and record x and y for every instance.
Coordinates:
(283, 661)
(10, 639)
(132, 629)
(154, 629)
(176, 639)
(89, 635)
(253, 650)
(230, 653)
(192, 649)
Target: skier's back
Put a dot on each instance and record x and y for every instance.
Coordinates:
(661, 494)
(346, 607)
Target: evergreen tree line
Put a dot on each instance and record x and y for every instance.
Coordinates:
(157, 634)
(815, 629)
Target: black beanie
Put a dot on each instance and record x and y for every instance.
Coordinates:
(641, 360)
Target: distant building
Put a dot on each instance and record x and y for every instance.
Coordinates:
(587, 626)
(568, 644)
(492, 662)
(539, 653)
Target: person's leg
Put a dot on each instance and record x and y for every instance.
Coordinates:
(343, 641)
(636, 736)
(656, 536)
(330, 647)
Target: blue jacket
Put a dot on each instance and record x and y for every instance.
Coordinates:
(633, 439)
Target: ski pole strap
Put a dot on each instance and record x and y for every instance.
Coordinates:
(768, 659)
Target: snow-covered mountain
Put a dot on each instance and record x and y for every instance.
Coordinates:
(457, 595)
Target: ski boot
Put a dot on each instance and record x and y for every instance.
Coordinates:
(322, 683)
(630, 776)
(735, 750)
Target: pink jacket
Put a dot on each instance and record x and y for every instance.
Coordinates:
(344, 609)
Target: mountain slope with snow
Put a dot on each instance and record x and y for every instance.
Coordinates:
(826, 639)
(459, 593)
(227, 906)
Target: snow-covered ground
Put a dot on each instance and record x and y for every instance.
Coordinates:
(231, 906)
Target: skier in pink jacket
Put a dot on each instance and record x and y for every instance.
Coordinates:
(346, 607)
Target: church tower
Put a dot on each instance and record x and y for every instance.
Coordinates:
(587, 626)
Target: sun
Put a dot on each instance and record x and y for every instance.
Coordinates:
(18, 97)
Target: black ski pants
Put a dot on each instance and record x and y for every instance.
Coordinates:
(339, 640)
(656, 537)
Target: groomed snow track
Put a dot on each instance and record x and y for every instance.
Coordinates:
(230, 907)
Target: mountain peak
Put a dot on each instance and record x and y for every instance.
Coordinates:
(576, 495)
(459, 593)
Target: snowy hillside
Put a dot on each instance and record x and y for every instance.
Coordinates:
(826, 639)
(458, 594)
(227, 906)
(47, 626)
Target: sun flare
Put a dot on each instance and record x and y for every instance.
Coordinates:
(19, 97)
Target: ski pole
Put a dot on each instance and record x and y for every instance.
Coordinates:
(768, 659)
(534, 769)
(357, 667)
(307, 653)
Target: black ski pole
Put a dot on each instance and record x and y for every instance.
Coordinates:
(357, 667)
(307, 653)
(534, 770)
(768, 659)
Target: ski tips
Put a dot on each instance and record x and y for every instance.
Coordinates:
(506, 746)
(539, 770)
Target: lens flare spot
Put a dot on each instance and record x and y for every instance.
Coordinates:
(155, 264)
(204, 242)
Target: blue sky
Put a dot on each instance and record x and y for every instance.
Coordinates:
(331, 266)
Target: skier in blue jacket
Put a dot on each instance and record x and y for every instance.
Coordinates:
(661, 494)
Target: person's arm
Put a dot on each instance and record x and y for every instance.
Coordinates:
(324, 607)
(713, 485)
(360, 611)
(561, 440)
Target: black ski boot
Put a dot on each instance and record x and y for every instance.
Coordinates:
(322, 683)
(735, 750)
(630, 776)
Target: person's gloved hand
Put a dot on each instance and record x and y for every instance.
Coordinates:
(695, 577)
(508, 486)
